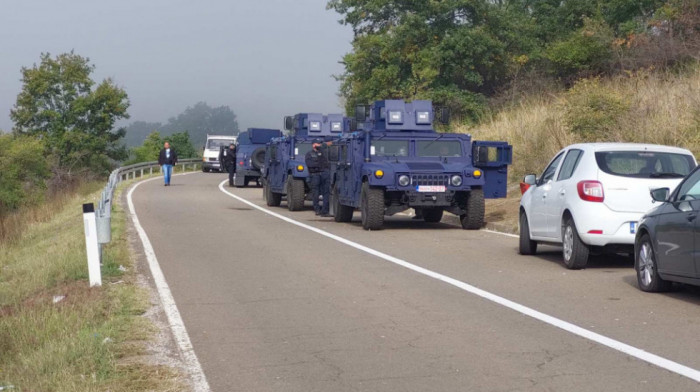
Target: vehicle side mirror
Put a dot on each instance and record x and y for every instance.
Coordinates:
(660, 194)
(334, 153)
(530, 179)
(361, 113)
(443, 115)
(288, 123)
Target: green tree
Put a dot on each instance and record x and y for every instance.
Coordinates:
(182, 144)
(148, 151)
(75, 118)
(202, 119)
(23, 170)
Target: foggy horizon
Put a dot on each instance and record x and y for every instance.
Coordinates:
(263, 59)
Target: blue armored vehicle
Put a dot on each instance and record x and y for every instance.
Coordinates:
(250, 154)
(285, 171)
(399, 162)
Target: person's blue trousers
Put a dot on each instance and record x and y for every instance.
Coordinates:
(167, 173)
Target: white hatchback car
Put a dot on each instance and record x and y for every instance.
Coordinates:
(591, 197)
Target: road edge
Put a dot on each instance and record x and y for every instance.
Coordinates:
(177, 327)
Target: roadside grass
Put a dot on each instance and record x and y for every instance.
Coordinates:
(92, 338)
(644, 107)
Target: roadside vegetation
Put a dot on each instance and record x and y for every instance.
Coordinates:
(56, 333)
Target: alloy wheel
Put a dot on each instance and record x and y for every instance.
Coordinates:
(568, 243)
(646, 264)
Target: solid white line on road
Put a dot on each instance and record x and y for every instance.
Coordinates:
(653, 359)
(189, 358)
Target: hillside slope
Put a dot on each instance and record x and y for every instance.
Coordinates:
(645, 107)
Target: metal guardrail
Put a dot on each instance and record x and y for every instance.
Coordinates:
(103, 211)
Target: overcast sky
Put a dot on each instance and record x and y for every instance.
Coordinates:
(263, 58)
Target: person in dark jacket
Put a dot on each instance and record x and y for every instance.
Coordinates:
(319, 176)
(167, 159)
(227, 158)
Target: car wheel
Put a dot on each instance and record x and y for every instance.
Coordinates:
(575, 252)
(432, 215)
(341, 213)
(645, 264)
(527, 246)
(372, 207)
(473, 219)
(295, 194)
(206, 169)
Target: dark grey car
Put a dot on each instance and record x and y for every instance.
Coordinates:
(667, 245)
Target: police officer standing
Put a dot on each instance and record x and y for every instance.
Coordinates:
(320, 173)
(227, 157)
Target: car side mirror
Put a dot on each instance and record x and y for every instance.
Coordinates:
(530, 179)
(660, 194)
(361, 113)
(288, 123)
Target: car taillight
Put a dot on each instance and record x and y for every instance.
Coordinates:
(591, 191)
(524, 187)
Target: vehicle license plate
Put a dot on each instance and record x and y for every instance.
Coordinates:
(633, 227)
(430, 188)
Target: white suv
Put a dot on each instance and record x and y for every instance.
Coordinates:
(591, 197)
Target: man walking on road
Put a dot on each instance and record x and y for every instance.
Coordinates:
(319, 171)
(167, 159)
(228, 161)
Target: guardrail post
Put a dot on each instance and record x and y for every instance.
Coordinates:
(91, 245)
(150, 173)
(141, 172)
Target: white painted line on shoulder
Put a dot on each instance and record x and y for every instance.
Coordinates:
(501, 233)
(191, 363)
(645, 356)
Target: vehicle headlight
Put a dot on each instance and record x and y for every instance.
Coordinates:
(422, 118)
(336, 127)
(476, 173)
(315, 126)
(404, 180)
(379, 173)
(456, 180)
(300, 168)
(395, 117)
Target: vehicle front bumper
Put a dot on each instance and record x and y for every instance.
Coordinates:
(211, 165)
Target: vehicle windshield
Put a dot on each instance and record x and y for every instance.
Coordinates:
(390, 148)
(645, 164)
(214, 144)
(300, 149)
(439, 148)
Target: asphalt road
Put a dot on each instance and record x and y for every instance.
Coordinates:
(270, 306)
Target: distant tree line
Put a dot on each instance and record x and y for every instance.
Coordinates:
(461, 52)
(198, 121)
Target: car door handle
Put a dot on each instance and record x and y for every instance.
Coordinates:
(691, 217)
(562, 192)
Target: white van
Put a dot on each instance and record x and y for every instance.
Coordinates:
(210, 156)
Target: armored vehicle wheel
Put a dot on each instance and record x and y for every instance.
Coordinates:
(341, 213)
(473, 219)
(432, 214)
(372, 207)
(295, 194)
(271, 198)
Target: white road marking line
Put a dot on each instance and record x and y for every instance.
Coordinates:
(191, 363)
(501, 233)
(645, 356)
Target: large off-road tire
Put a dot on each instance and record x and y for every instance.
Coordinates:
(295, 194)
(574, 251)
(257, 158)
(341, 213)
(432, 215)
(647, 269)
(372, 207)
(271, 198)
(527, 246)
(473, 219)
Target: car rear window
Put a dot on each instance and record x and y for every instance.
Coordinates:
(645, 164)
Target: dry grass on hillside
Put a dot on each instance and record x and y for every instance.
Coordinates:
(645, 107)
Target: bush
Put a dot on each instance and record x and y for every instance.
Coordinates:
(587, 50)
(593, 112)
(23, 171)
